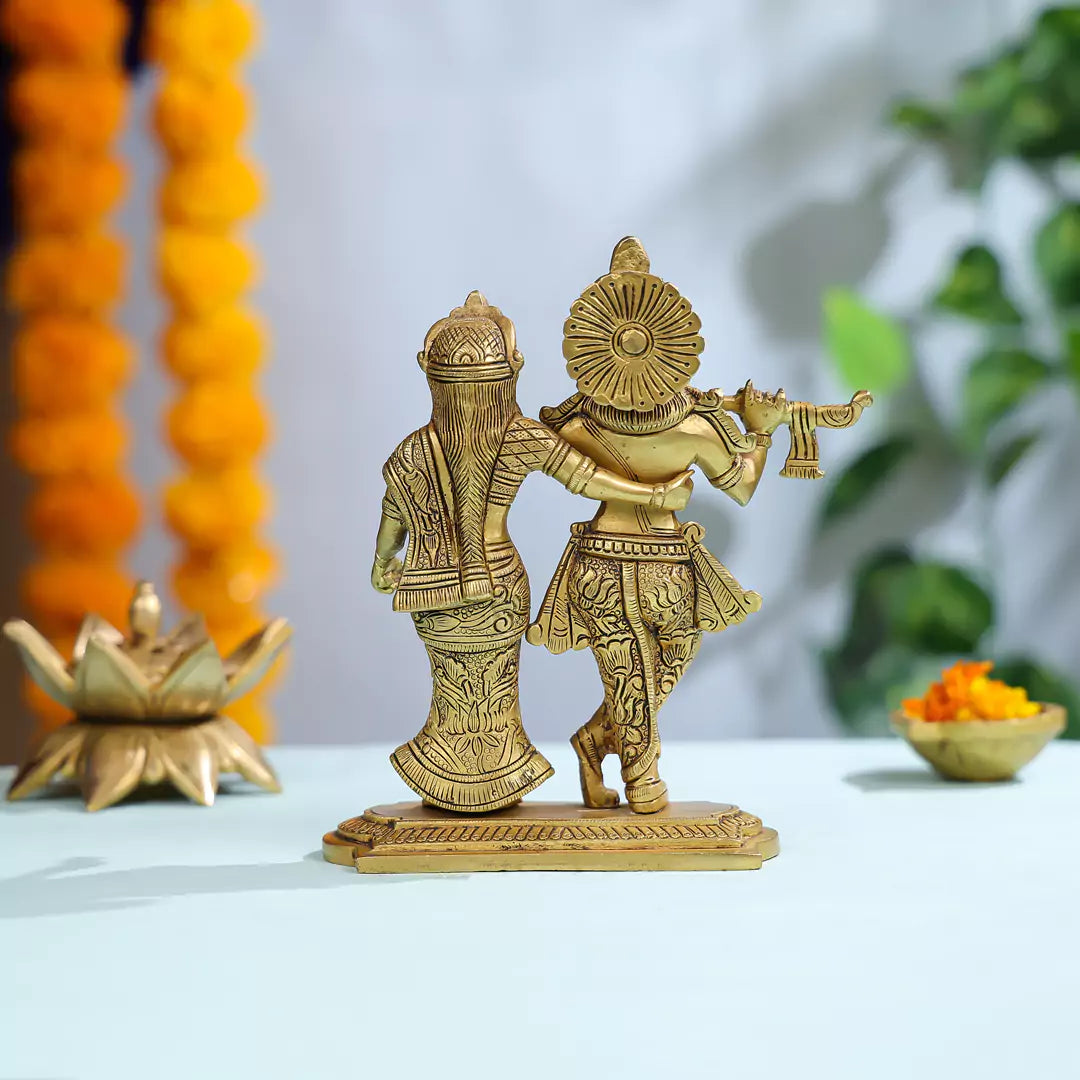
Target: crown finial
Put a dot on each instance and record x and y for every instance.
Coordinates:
(629, 254)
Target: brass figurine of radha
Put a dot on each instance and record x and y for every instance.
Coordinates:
(449, 487)
(635, 585)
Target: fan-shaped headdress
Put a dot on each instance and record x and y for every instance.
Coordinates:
(631, 340)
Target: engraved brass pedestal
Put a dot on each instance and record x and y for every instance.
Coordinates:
(410, 838)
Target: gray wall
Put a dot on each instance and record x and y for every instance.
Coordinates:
(415, 152)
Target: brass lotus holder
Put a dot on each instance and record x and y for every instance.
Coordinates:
(147, 706)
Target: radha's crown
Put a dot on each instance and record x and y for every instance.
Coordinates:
(475, 342)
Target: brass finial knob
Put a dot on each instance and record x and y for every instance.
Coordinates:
(629, 254)
(144, 615)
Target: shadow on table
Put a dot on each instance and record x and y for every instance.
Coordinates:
(872, 780)
(66, 889)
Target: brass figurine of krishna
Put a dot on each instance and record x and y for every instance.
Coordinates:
(635, 585)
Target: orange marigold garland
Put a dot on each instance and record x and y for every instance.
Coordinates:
(66, 99)
(214, 345)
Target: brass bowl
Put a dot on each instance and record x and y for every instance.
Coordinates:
(982, 750)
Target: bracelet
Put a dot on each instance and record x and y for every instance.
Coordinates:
(380, 561)
(656, 500)
(762, 440)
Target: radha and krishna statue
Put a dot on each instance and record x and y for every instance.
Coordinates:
(635, 585)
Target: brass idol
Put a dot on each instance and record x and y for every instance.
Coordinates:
(635, 585)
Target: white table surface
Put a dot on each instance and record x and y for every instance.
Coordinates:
(909, 928)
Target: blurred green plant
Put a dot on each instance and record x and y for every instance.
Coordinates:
(911, 616)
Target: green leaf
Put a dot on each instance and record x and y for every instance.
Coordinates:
(939, 609)
(870, 350)
(928, 607)
(1034, 126)
(1051, 50)
(907, 620)
(1072, 356)
(988, 87)
(1063, 19)
(1057, 255)
(919, 119)
(1004, 460)
(864, 475)
(974, 289)
(996, 383)
(1042, 684)
(865, 695)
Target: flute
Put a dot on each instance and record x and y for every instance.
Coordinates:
(802, 419)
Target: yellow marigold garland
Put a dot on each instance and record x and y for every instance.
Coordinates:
(213, 345)
(67, 99)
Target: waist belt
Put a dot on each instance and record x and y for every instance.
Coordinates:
(643, 548)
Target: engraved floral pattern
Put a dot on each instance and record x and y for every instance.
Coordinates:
(642, 643)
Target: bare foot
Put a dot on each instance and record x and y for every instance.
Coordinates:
(593, 792)
(647, 796)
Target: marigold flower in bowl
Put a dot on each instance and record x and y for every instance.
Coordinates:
(969, 726)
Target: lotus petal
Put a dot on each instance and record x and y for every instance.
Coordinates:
(190, 763)
(50, 756)
(94, 626)
(109, 683)
(185, 637)
(154, 769)
(242, 753)
(247, 664)
(114, 765)
(194, 686)
(43, 663)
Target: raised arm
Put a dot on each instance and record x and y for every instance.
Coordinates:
(738, 474)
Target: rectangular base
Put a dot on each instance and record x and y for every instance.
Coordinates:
(410, 838)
